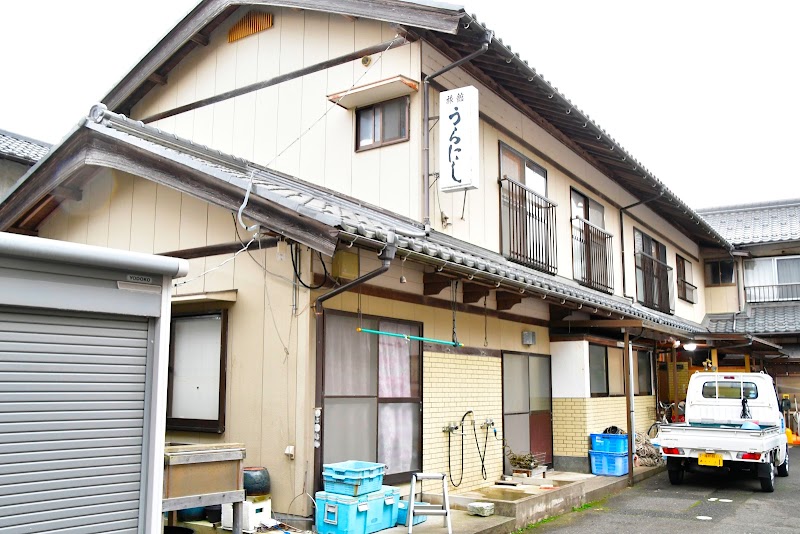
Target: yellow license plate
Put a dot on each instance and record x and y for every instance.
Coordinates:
(714, 460)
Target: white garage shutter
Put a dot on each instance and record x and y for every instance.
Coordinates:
(72, 401)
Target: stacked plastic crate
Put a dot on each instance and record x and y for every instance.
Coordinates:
(609, 454)
(355, 501)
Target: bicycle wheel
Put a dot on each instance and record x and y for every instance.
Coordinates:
(652, 432)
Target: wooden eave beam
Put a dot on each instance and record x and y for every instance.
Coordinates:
(435, 283)
(600, 323)
(157, 79)
(474, 292)
(222, 248)
(506, 300)
(67, 193)
(200, 39)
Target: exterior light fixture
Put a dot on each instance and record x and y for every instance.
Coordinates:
(690, 347)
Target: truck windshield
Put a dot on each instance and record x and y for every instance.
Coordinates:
(729, 389)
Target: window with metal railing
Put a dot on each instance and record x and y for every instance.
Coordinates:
(772, 279)
(654, 278)
(591, 244)
(527, 216)
(592, 264)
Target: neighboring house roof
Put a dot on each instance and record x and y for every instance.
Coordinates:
(20, 148)
(755, 224)
(759, 319)
(456, 34)
(309, 214)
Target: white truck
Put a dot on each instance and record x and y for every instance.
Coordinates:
(733, 421)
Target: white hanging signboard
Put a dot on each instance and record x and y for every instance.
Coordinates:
(458, 139)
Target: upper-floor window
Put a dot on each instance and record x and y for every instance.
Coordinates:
(591, 244)
(527, 217)
(382, 124)
(653, 275)
(772, 279)
(720, 273)
(686, 290)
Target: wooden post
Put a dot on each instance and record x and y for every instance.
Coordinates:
(627, 366)
(714, 360)
(746, 363)
(674, 353)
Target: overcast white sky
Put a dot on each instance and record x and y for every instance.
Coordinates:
(704, 94)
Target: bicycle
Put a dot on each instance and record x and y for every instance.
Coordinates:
(665, 412)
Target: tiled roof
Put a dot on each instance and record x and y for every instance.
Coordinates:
(751, 224)
(356, 220)
(20, 148)
(759, 319)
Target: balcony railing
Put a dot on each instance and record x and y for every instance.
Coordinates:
(528, 223)
(773, 293)
(654, 283)
(592, 263)
(687, 291)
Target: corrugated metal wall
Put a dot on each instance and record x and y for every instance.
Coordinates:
(72, 401)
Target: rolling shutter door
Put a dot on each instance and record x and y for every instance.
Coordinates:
(72, 400)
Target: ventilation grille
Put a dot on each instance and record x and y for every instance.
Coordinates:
(253, 22)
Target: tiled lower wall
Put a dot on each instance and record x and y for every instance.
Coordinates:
(575, 418)
(452, 385)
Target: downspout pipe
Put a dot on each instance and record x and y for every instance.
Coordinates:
(426, 134)
(386, 255)
(622, 235)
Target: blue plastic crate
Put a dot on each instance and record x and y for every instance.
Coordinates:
(613, 464)
(609, 442)
(352, 477)
(341, 514)
(402, 512)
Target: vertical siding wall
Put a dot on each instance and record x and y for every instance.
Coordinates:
(267, 402)
(264, 126)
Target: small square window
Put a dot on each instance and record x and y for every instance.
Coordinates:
(720, 272)
(381, 124)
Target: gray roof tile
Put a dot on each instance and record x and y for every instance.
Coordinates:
(759, 319)
(750, 224)
(20, 148)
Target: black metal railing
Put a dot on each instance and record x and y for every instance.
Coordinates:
(528, 224)
(654, 283)
(773, 293)
(592, 263)
(687, 291)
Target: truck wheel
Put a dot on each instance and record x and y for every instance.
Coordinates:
(675, 476)
(768, 481)
(783, 469)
